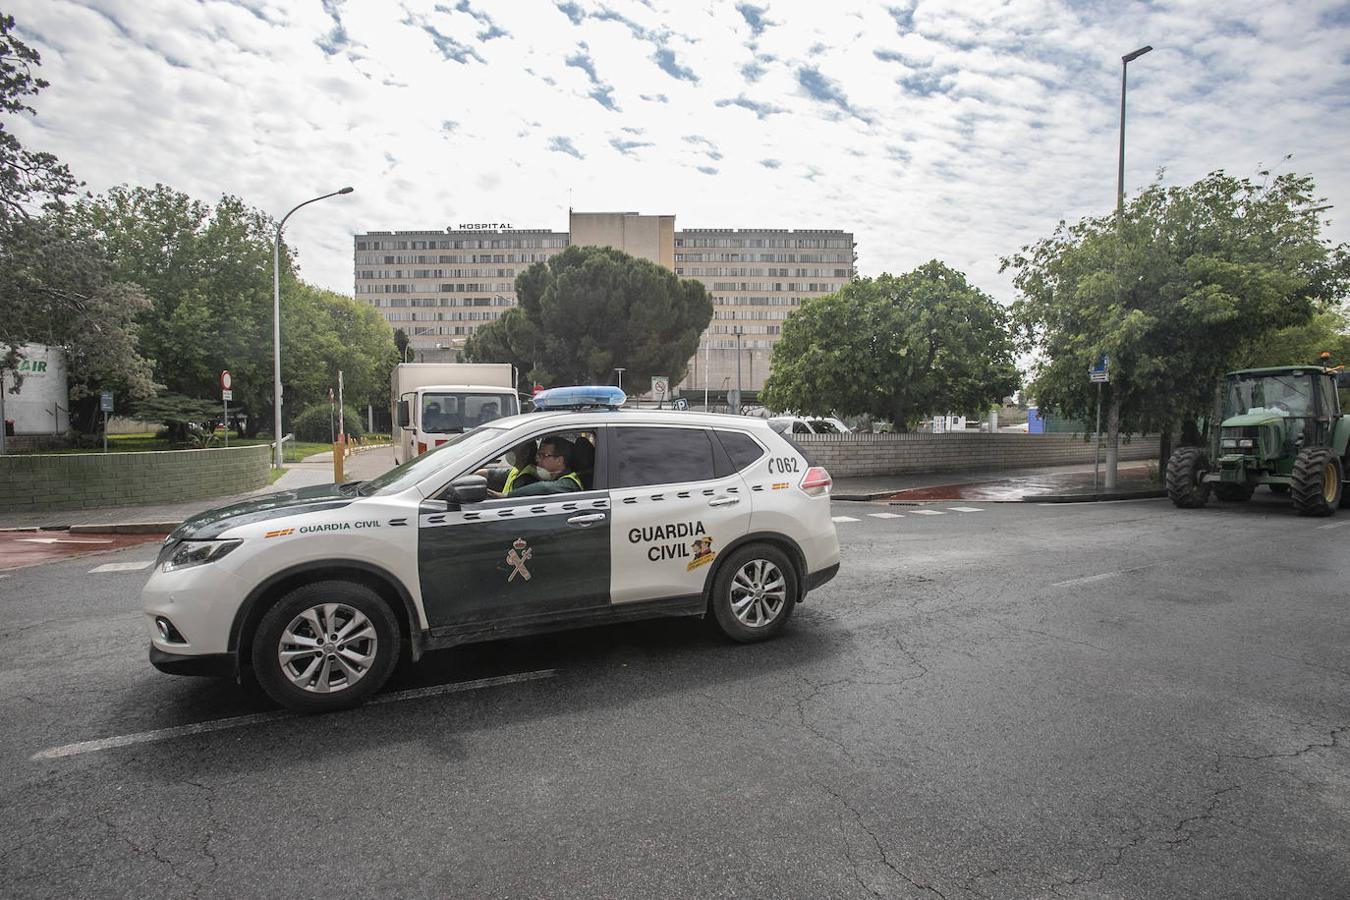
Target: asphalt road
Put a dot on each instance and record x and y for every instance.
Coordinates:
(1109, 700)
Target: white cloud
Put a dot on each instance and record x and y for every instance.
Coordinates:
(958, 130)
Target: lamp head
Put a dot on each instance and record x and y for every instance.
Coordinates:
(346, 190)
(1131, 57)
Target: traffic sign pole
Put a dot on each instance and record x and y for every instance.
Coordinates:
(1100, 373)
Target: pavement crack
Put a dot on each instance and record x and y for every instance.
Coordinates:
(801, 702)
(1332, 742)
(881, 850)
(1187, 826)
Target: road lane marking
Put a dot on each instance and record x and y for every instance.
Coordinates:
(1088, 579)
(965, 508)
(927, 512)
(64, 541)
(165, 734)
(123, 567)
(844, 519)
(1333, 525)
(886, 515)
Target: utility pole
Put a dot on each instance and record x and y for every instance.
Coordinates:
(738, 331)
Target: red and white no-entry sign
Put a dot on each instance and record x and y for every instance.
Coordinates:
(225, 381)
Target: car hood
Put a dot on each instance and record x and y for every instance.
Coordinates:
(214, 522)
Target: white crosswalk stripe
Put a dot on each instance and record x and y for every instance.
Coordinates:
(123, 567)
(965, 508)
(886, 515)
(844, 519)
(928, 512)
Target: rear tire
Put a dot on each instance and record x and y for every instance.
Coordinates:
(1317, 482)
(326, 646)
(754, 593)
(1234, 493)
(1185, 470)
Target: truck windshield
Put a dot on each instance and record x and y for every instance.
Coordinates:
(1286, 395)
(447, 413)
(419, 467)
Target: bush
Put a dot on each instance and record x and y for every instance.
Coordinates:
(318, 423)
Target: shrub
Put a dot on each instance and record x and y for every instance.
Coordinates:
(318, 423)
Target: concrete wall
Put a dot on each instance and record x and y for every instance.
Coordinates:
(847, 455)
(40, 482)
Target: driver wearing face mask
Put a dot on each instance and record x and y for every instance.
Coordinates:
(553, 464)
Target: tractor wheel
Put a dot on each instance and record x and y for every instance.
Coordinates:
(1185, 470)
(1234, 493)
(1317, 482)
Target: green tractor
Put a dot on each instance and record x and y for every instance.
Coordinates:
(1280, 427)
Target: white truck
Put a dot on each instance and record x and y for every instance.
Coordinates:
(432, 401)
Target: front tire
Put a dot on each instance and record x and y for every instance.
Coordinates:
(754, 593)
(1185, 470)
(1316, 487)
(326, 646)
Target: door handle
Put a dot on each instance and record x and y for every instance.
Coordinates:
(585, 520)
(724, 501)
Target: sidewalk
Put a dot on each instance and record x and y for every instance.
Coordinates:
(1045, 485)
(1052, 484)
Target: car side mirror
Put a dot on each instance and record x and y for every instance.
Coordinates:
(404, 417)
(469, 489)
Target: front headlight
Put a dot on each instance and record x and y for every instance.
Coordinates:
(196, 553)
(1245, 443)
(1229, 443)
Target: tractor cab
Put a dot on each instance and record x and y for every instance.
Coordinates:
(1271, 414)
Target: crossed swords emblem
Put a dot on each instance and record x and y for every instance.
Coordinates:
(516, 558)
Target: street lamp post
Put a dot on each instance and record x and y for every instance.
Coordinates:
(620, 370)
(276, 324)
(1113, 419)
(1120, 178)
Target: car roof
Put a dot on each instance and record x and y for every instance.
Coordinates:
(580, 418)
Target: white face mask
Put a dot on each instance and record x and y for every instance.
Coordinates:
(543, 474)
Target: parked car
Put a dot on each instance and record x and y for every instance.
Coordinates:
(801, 425)
(319, 592)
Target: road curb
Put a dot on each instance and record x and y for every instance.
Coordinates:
(126, 528)
(1093, 498)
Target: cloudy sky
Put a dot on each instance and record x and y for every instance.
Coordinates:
(956, 129)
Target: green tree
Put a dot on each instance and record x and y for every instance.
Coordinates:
(1189, 280)
(590, 309)
(895, 347)
(208, 273)
(334, 333)
(57, 285)
(27, 178)
(513, 339)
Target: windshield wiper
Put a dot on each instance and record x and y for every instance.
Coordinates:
(351, 487)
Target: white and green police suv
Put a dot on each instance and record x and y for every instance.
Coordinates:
(320, 591)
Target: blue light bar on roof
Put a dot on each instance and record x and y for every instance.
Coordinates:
(579, 397)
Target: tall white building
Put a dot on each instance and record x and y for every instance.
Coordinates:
(439, 286)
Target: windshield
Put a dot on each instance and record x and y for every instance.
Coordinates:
(448, 413)
(1285, 395)
(468, 444)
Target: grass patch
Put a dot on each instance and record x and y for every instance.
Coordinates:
(274, 474)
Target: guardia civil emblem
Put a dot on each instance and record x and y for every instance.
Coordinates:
(516, 557)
